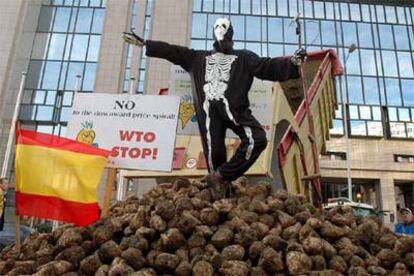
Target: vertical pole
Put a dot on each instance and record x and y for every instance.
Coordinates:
(131, 86)
(12, 128)
(121, 180)
(4, 169)
(77, 84)
(315, 156)
(121, 186)
(17, 230)
(55, 225)
(346, 133)
(351, 49)
(108, 192)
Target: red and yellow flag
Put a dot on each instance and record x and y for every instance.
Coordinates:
(57, 178)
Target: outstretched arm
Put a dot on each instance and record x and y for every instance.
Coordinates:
(178, 55)
(133, 38)
(276, 69)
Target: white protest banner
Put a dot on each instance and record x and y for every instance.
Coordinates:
(260, 97)
(139, 129)
(180, 85)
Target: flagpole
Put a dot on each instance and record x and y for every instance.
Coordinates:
(12, 129)
(4, 169)
(108, 191)
(17, 229)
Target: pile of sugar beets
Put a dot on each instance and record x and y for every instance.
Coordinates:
(176, 229)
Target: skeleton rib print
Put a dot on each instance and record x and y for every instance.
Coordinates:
(217, 75)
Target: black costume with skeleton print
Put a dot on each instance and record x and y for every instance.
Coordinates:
(221, 80)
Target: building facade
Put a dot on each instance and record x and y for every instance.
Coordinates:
(56, 40)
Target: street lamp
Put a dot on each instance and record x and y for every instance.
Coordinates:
(351, 49)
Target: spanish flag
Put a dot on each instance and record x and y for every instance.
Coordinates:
(57, 178)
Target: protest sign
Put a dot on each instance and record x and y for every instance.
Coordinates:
(260, 97)
(139, 130)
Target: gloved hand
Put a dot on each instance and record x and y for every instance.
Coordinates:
(299, 56)
(133, 38)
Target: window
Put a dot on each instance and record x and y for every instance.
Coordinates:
(386, 38)
(389, 62)
(403, 158)
(50, 78)
(365, 120)
(245, 7)
(329, 9)
(98, 19)
(308, 9)
(312, 33)
(289, 32)
(218, 6)
(344, 11)
(407, 87)
(199, 25)
(63, 17)
(93, 50)
(79, 47)
(355, 13)
(252, 25)
(63, 47)
(365, 35)
(40, 46)
(84, 21)
(332, 155)
(401, 37)
(365, 13)
(293, 8)
(197, 5)
(238, 26)
(401, 15)
(275, 28)
(390, 14)
(368, 62)
(358, 128)
(46, 19)
(355, 90)
(319, 9)
(380, 13)
(208, 5)
(271, 7)
(234, 6)
(405, 65)
(349, 31)
(352, 65)
(282, 7)
(371, 90)
(327, 31)
(392, 89)
(147, 25)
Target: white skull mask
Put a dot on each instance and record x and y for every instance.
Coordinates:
(220, 28)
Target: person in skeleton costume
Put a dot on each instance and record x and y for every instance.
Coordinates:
(221, 81)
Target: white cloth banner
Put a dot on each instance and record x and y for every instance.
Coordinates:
(140, 130)
(260, 97)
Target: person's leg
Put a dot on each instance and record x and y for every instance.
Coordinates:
(215, 138)
(253, 142)
(215, 149)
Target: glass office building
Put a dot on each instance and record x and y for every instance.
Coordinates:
(66, 44)
(379, 79)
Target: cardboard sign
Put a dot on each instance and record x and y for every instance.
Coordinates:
(139, 130)
(260, 97)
